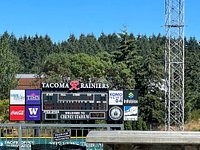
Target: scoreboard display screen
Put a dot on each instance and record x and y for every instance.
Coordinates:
(74, 106)
(75, 96)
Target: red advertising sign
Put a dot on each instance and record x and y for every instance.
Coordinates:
(17, 113)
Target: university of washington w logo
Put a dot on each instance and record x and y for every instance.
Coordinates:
(33, 111)
(74, 85)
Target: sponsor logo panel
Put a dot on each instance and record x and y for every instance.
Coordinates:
(33, 97)
(115, 113)
(17, 113)
(130, 113)
(130, 97)
(17, 97)
(115, 97)
(33, 113)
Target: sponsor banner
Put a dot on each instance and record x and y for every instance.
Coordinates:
(115, 97)
(33, 97)
(27, 142)
(130, 97)
(130, 113)
(33, 113)
(17, 97)
(17, 113)
(61, 136)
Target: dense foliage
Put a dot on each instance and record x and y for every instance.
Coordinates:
(9, 65)
(123, 60)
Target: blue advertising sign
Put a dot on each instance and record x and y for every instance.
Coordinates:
(131, 113)
(33, 113)
(33, 97)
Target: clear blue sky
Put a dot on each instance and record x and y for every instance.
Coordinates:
(60, 18)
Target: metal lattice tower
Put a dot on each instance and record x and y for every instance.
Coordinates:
(174, 65)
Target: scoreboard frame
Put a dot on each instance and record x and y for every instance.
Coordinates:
(80, 101)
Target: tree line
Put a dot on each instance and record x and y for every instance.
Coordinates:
(122, 60)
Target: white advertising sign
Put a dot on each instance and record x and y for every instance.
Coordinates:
(131, 113)
(115, 97)
(17, 97)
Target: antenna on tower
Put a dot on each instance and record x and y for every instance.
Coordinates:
(174, 65)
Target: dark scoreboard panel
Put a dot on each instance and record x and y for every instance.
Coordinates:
(74, 106)
(75, 101)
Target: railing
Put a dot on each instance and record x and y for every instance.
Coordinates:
(24, 135)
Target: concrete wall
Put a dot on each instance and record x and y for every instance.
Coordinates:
(145, 140)
(150, 147)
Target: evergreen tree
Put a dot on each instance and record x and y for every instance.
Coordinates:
(192, 73)
(126, 58)
(9, 65)
(149, 81)
(89, 44)
(109, 42)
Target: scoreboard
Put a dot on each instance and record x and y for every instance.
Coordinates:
(74, 106)
(74, 100)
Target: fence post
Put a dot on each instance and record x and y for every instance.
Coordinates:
(20, 135)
